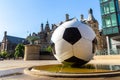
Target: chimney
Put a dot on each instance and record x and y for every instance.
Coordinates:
(67, 17)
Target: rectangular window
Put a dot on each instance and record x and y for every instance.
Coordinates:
(101, 1)
(103, 23)
(108, 21)
(114, 20)
(115, 30)
(106, 8)
(102, 10)
(104, 0)
(112, 6)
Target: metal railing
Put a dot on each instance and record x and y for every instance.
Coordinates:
(105, 52)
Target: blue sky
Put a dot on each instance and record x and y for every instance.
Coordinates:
(21, 17)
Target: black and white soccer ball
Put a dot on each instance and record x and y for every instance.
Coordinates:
(73, 43)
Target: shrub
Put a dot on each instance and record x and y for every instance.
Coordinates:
(3, 54)
(19, 51)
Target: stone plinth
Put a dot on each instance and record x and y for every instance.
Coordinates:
(32, 52)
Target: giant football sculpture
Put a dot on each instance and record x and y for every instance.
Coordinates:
(73, 43)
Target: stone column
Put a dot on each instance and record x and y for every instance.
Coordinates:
(108, 44)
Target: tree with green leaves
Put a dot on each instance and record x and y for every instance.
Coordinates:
(3, 54)
(49, 49)
(31, 39)
(19, 51)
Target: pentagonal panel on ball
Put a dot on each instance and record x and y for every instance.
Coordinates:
(71, 35)
(57, 34)
(83, 49)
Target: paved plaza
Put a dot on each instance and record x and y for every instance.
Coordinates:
(13, 70)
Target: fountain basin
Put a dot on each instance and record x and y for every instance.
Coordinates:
(89, 70)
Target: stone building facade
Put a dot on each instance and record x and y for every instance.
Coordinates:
(10, 42)
(93, 23)
(47, 30)
(44, 36)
